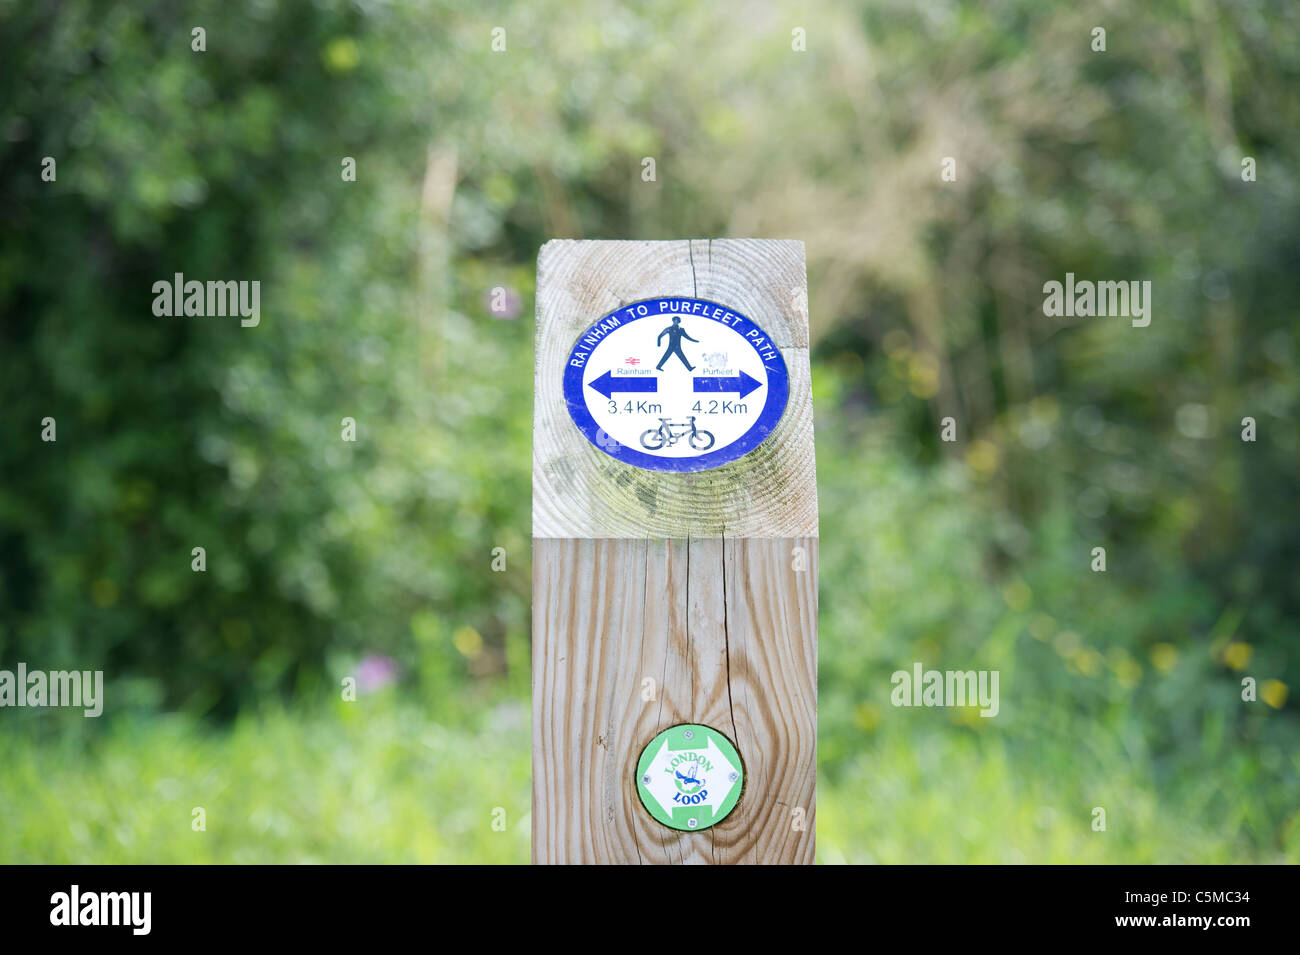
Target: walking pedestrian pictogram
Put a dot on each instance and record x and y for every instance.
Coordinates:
(675, 334)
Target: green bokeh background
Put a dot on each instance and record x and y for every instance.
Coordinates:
(327, 559)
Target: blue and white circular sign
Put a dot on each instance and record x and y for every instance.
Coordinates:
(676, 384)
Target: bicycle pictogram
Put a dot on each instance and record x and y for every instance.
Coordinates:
(655, 438)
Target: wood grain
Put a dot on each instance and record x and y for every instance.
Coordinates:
(727, 632)
(703, 583)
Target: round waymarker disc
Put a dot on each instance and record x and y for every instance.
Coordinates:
(689, 777)
(676, 384)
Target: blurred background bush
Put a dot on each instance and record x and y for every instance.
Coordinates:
(373, 559)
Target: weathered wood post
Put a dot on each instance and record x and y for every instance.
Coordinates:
(674, 554)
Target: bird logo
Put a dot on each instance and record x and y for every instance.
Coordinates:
(690, 781)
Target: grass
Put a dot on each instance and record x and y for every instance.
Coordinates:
(949, 798)
(369, 782)
(378, 782)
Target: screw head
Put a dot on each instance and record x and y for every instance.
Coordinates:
(688, 734)
(646, 779)
(732, 777)
(692, 822)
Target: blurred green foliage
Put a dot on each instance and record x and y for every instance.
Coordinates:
(383, 784)
(1119, 690)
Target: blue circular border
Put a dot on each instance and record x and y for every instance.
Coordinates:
(778, 391)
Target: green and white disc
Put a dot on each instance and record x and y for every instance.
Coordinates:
(689, 777)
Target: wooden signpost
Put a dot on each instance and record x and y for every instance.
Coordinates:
(674, 555)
